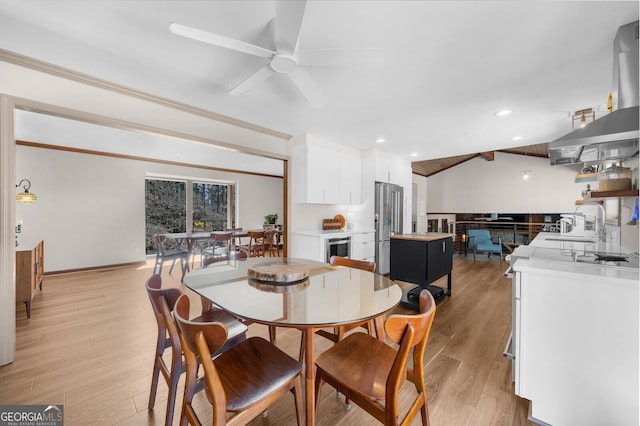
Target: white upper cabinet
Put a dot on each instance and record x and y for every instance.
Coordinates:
(325, 172)
(384, 168)
(350, 178)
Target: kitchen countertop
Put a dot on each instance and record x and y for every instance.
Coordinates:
(429, 236)
(331, 233)
(548, 252)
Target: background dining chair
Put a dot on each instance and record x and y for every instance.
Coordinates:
(272, 242)
(256, 246)
(236, 241)
(162, 302)
(207, 304)
(339, 331)
(163, 254)
(370, 372)
(220, 245)
(244, 380)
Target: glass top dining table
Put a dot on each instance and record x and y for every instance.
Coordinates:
(330, 296)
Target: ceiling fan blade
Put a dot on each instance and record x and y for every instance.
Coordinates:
(252, 81)
(307, 85)
(220, 41)
(289, 15)
(340, 57)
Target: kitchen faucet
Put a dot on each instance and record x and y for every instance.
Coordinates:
(601, 233)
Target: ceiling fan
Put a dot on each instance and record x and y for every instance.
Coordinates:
(285, 59)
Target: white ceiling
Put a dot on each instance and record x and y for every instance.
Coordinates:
(446, 67)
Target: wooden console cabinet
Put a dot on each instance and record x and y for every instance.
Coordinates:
(29, 273)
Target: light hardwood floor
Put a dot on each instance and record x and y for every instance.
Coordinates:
(90, 341)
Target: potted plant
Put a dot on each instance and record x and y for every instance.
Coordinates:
(270, 219)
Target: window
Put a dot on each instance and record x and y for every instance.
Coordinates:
(168, 203)
(210, 206)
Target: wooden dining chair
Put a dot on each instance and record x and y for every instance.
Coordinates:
(256, 244)
(233, 255)
(244, 380)
(272, 242)
(236, 241)
(220, 246)
(163, 254)
(339, 331)
(162, 302)
(207, 304)
(371, 373)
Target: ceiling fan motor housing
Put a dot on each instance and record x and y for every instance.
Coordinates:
(284, 63)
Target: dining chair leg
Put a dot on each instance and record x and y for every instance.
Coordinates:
(155, 376)
(303, 338)
(297, 395)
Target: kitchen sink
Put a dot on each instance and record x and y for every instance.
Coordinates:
(571, 239)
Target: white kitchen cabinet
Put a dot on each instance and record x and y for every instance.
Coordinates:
(576, 342)
(308, 246)
(316, 173)
(363, 246)
(392, 170)
(350, 178)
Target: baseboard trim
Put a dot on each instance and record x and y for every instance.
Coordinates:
(94, 268)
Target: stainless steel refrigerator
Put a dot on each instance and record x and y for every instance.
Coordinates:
(388, 221)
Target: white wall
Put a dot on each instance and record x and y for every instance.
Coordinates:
(481, 186)
(91, 209)
(421, 202)
(37, 86)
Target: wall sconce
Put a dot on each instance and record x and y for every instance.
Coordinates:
(582, 116)
(526, 174)
(26, 197)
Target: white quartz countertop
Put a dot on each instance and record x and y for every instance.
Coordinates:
(548, 252)
(331, 233)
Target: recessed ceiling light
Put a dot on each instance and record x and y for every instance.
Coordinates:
(380, 140)
(517, 138)
(414, 154)
(503, 113)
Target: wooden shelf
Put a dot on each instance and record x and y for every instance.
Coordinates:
(586, 177)
(580, 202)
(612, 194)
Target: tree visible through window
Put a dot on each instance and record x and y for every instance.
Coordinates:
(212, 207)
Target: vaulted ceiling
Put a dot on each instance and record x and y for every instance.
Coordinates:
(431, 167)
(427, 76)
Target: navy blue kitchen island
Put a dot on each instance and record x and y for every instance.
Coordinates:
(422, 259)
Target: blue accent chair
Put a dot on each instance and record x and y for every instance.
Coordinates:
(480, 241)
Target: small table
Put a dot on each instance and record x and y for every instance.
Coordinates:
(331, 296)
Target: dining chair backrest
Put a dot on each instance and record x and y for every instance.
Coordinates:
(224, 258)
(162, 301)
(206, 261)
(252, 374)
(410, 331)
(216, 334)
(272, 242)
(256, 244)
(223, 237)
(163, 254)
(353, 263)
(371, 373)
(339, 331)
(220, 245)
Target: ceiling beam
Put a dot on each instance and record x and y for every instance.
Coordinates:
(488, 155)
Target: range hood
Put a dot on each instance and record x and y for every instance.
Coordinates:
(614, 136)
